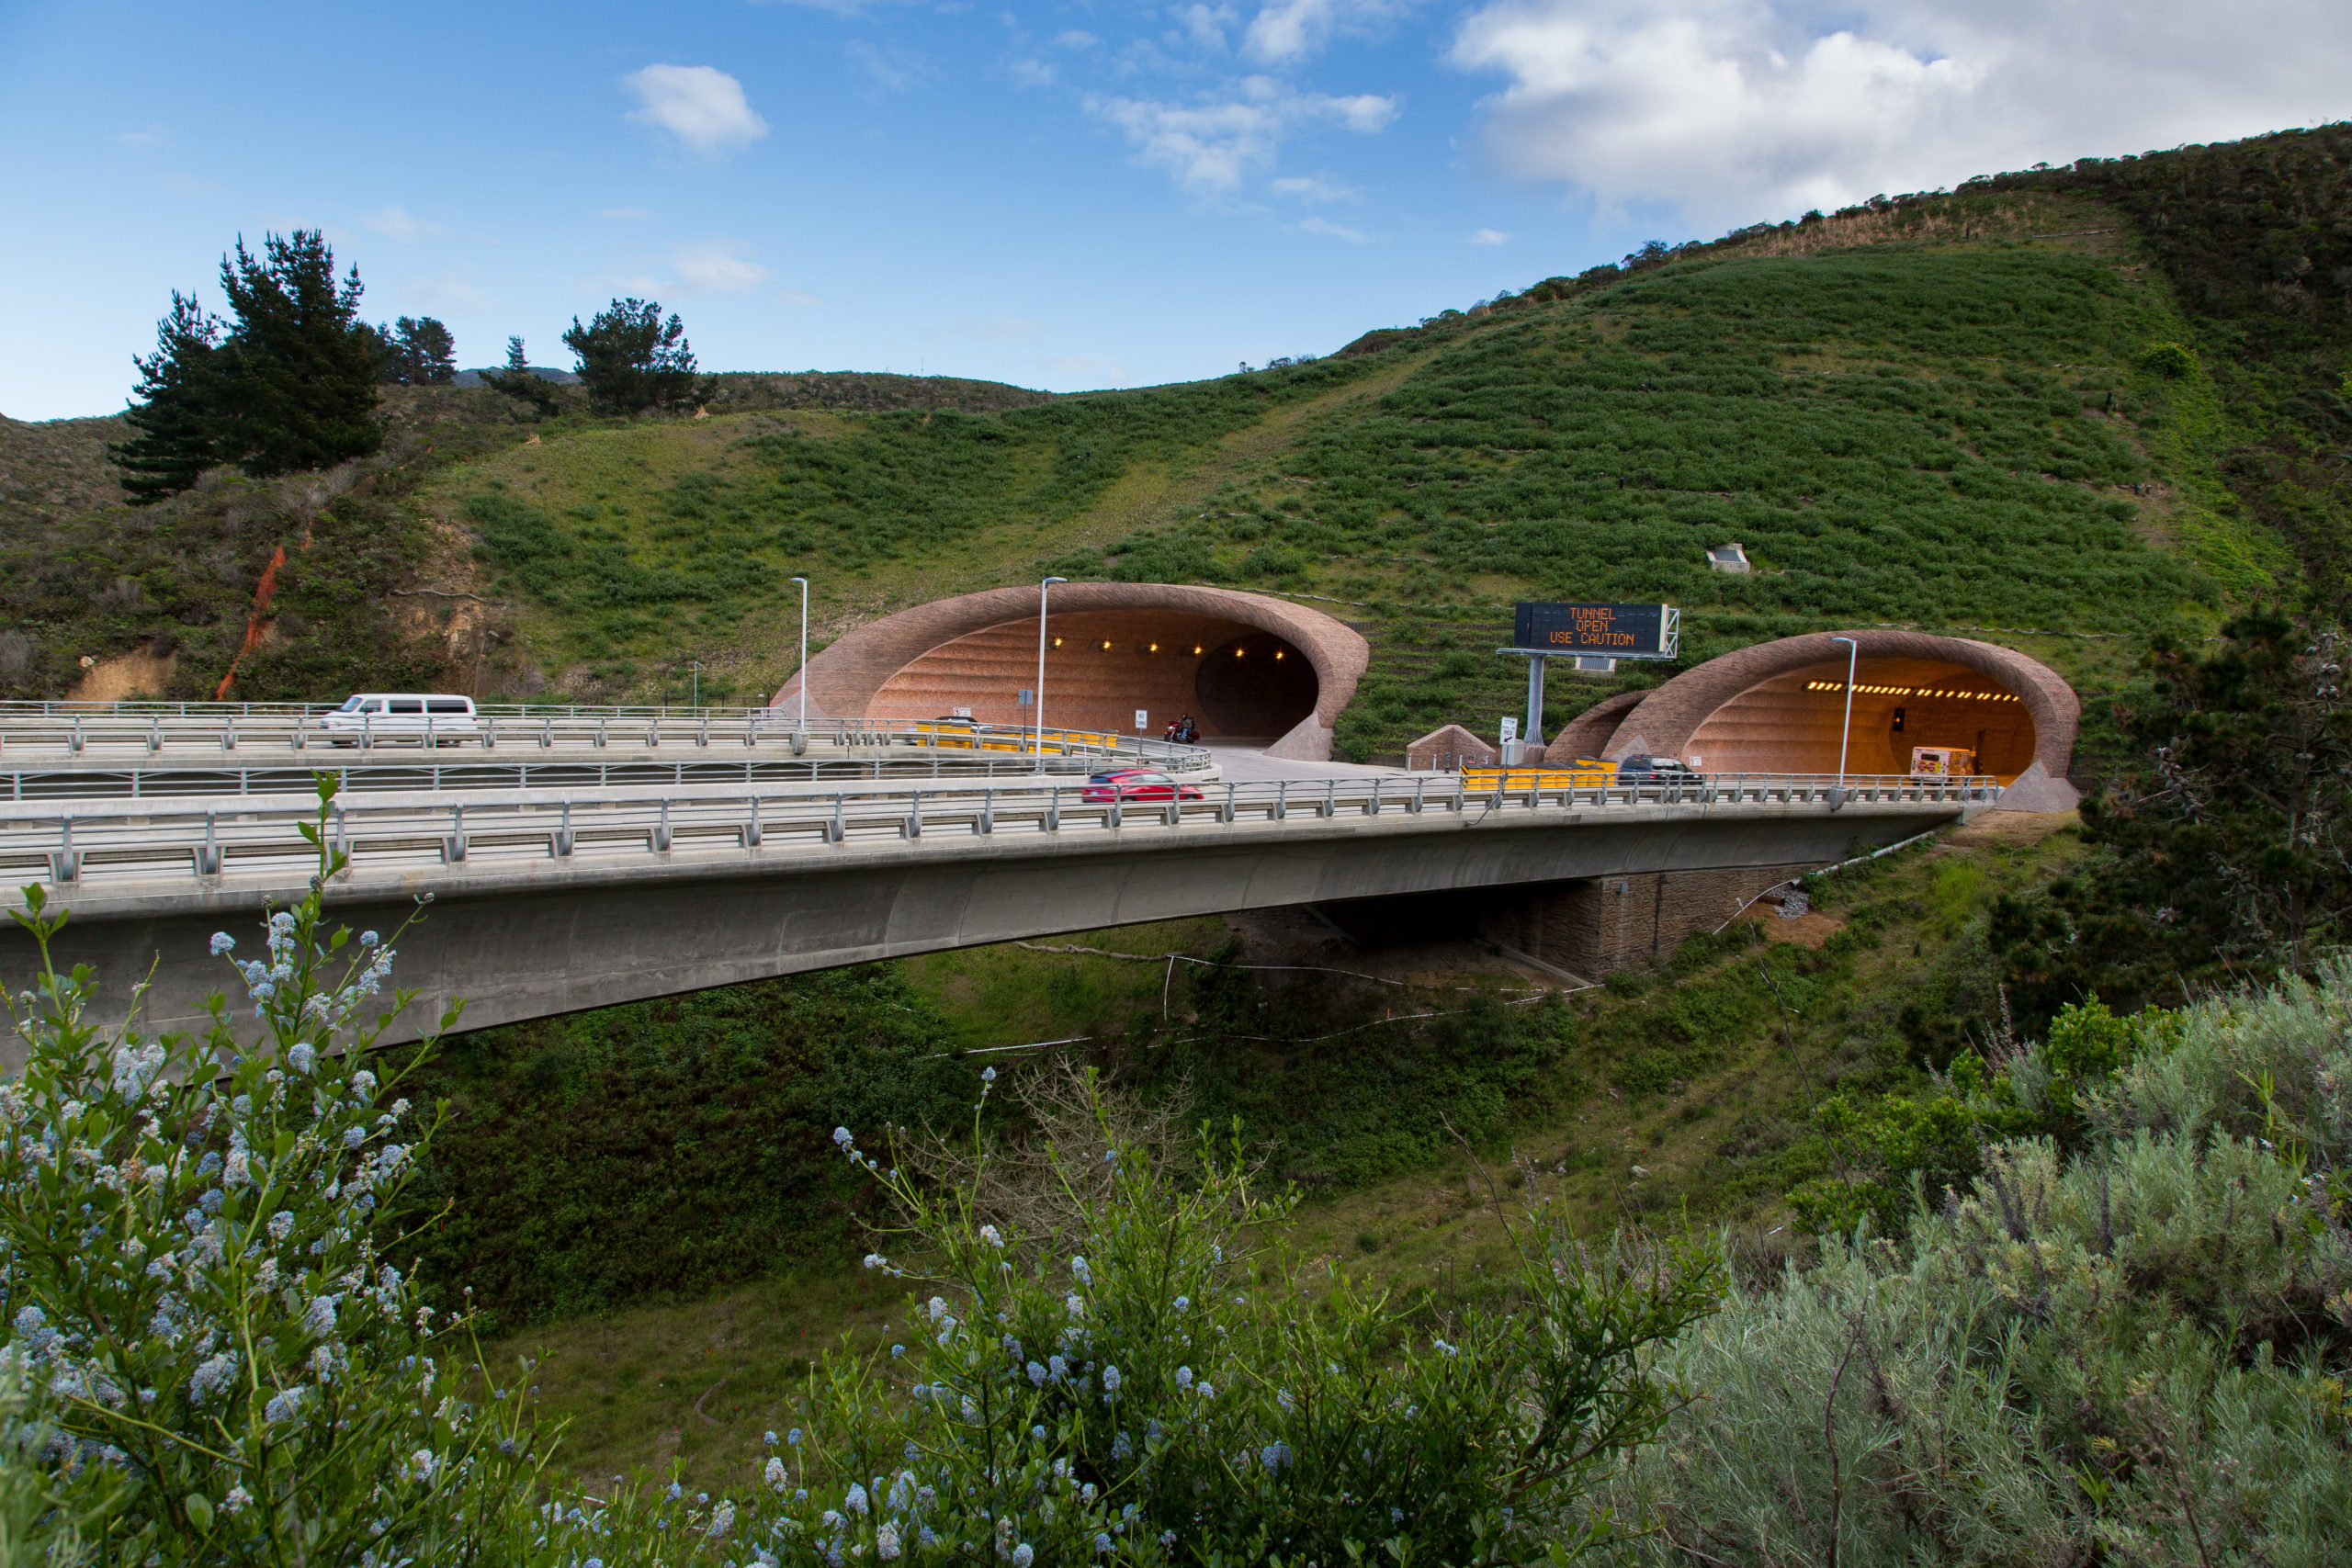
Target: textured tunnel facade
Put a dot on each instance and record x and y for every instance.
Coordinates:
(1780, 707)
(1102, 667)
(1245, 667)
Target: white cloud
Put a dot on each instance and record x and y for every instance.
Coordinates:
(1738, 110)
(1075, 39)
(1293, 29)
(1211, 144)
(1315, 187)
(794, 297)
(628, 214)
(891, 69)
(1332, 231)
(1207, 24)
(1028, 73)
(702, 106)
(398, 223)
(153, 136)
(715, 267)
(1490, 237)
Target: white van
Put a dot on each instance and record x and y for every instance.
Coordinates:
(382, 717)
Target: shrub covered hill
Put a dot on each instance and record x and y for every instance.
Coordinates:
(2079, 405)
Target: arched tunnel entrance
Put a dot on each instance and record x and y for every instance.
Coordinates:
(1793, 723)
(1779, 708)
(1247, 667)
(1104, 666)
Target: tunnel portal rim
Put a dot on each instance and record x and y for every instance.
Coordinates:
(1665, 721)
(844, 678)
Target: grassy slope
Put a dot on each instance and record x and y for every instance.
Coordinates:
(1928, 430)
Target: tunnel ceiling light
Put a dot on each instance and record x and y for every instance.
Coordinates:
(1106, 645)
(1153, 649)
(1278, 653)
(1057, 642)
(1237, 653)
(1196, 652)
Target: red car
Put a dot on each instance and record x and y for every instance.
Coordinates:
(1136, 784)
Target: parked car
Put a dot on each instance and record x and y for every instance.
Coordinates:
(1136, 783)
(1656, 770)
(391, 717)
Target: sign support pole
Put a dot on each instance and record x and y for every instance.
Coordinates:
(1533, 733)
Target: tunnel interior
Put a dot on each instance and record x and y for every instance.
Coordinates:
(1792, 722)
(1102, 667)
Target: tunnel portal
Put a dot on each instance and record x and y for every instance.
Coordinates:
(1104, 666)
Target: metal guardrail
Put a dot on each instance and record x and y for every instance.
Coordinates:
(232, 731)
(93, 844)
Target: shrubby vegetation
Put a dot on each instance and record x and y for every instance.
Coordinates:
(2226, 841)
(668, 1147)
(2126, 1344)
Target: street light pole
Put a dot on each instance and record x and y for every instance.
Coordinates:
(1040, 692)
(1853, 654)
(802, 728)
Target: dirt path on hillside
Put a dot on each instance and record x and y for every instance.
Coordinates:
(1151, 494)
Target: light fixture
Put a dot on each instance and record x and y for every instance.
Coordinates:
(1153, 649)
(1106, 645)
(1057, 642)
(1196, 652)
(1237, 653)
(1278, 653)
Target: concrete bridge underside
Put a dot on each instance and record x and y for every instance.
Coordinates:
(564, 938)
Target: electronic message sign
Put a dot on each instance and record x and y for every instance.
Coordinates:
(1620, 631)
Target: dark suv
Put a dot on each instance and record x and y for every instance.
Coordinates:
(1656, 770)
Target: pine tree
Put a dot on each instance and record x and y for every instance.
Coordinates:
(631, 359)
(519, 383)
(177, 414)
(301, 381)
(418, 352)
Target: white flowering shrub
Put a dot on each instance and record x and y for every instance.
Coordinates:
(1181, 1390)
(198, 1282)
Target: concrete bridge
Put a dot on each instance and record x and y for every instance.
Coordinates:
(547, 901)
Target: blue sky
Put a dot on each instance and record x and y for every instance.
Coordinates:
(1058, 195)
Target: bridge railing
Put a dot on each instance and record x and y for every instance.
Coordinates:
(99, 843)
(227, 733)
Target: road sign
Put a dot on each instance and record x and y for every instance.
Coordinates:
(1620, 631)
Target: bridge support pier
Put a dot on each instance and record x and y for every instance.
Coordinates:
(1584, 927)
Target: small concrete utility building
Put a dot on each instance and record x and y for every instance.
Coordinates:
(1247, 667)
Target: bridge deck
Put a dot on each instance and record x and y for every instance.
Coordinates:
(649, 895)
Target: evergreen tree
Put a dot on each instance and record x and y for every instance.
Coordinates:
(300, 383)
(2226, 855)
(418, 352)
(631, 359)
(518, 381)
(177, 414)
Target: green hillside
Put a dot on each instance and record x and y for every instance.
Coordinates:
(2080, 406)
